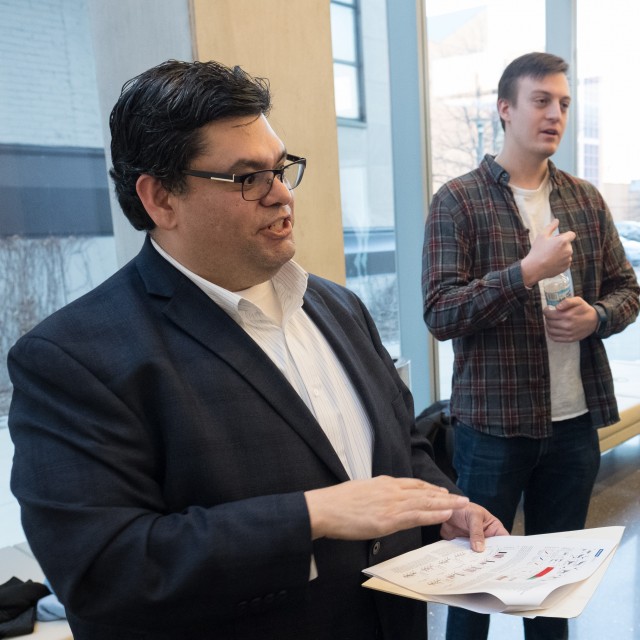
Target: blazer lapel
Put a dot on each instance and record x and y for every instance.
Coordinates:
(361, 371)
(349, 356)
(187, 307)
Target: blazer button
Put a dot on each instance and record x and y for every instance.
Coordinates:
(375, 550)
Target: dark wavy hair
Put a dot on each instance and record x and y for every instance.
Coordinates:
(156, 124)
(531, 65)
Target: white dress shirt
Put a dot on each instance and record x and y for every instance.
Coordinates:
(272, 315)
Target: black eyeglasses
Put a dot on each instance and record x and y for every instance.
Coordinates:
(257, 185)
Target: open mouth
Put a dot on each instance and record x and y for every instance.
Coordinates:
(280, 225)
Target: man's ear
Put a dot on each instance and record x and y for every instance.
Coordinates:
(504, 109)
(155, 199)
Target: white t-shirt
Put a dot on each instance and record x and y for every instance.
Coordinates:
(567, 393)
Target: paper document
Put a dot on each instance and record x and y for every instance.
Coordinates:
(515, 574)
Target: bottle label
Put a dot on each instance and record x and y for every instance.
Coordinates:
(556, 294)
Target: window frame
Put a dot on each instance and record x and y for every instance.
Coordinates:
(357, 65)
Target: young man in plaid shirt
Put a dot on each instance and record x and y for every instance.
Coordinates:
(531, 383)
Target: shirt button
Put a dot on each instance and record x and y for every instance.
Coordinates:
(376, 547)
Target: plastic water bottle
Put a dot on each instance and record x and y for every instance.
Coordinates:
(556, 289)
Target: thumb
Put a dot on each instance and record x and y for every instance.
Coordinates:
(551, 227)
(567, 303)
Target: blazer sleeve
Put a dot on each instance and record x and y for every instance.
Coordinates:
(88, 478)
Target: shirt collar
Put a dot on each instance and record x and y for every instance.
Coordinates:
(290, 284)
(502, 177)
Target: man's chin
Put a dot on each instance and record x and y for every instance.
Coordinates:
(549, 149)
(286, 255)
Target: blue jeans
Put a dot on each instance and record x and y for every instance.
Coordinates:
(555, 475)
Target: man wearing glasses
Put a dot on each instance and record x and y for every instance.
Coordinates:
(213, 443)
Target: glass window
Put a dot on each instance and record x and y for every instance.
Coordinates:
(343, 33)
(366, 170)
(469, 44)
(607, 136)
(347, 96)
(347, 68)
(56, 236)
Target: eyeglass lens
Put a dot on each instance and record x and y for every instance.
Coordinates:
(258, 185)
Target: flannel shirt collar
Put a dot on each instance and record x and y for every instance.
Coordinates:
(501, 176)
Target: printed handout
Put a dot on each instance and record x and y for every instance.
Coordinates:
(515, 574)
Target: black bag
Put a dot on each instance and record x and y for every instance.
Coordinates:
(435, 424)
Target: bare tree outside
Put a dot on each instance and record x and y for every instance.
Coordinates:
(463, 129)
(380, 295)
(36, 282)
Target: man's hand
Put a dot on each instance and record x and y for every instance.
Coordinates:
(364, 509)
(550, 255)
(473, 522)
(571, 320)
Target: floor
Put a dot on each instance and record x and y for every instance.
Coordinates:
(614, 610)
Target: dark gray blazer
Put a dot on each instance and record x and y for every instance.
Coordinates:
(161, 460)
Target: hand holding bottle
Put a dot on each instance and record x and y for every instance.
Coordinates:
(572, 320)
(550, 255)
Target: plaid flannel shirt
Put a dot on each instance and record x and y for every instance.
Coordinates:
(474, 294)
